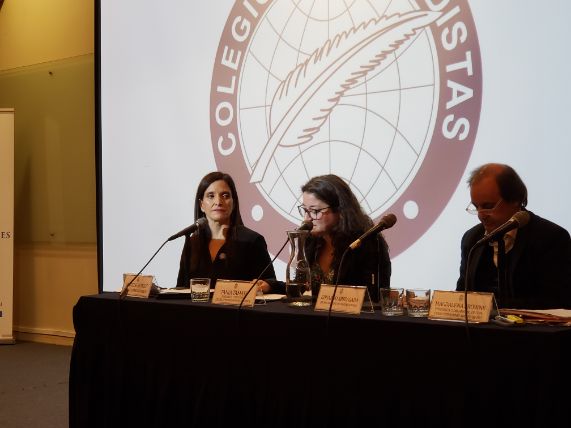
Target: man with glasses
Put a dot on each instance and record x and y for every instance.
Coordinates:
(534, 260)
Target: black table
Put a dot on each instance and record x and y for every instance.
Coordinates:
(174, 363)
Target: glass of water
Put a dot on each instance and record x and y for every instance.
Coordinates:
(392, 300)
(200, 289)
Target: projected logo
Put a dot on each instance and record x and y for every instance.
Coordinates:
(384, 93)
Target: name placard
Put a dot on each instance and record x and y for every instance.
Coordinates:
(140, 287)
(449, 305)
(348, 298)
(229, 292)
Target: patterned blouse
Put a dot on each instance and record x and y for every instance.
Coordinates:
(318, 277)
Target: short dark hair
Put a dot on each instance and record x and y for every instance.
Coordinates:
(510, 184)
(207, 180)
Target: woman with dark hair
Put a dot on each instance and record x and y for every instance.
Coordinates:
(224, 248)
(338, 220)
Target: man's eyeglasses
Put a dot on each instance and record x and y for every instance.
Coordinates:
(314, 214)
(472, 209)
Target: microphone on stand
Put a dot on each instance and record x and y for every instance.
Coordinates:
(202, 221)
(386, 222)
(306, 225)
(518, 220)
(190, 229)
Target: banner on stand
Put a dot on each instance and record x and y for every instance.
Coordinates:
(6, 224)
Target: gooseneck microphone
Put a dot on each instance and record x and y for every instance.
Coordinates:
(190, 229)
(201, 222)
(306, 225)
(518, 220)
(386, 222)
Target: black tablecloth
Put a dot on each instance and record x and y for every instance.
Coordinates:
(174, 363)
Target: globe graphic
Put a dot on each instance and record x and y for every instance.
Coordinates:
(375, 137)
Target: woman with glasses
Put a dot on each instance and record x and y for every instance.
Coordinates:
(224, 248)
(527, 267)
(338, 220)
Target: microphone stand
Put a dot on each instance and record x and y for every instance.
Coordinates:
(335, 289)
(258, 280)
(263, 271)
(466, 287)
(502, 272)
(502, 279)
(126, 288)
(350, 247)
(191, 229)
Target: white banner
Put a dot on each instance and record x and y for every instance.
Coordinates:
(405, 136)
(6, 223)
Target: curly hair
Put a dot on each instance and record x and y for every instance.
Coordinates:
(337, 194)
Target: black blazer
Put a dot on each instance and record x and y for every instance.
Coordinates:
(538, 267)
(243, 257)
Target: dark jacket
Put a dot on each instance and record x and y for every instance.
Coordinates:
(243, 257)
(369, 264)
(538, 267)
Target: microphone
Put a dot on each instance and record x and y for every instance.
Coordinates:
(306, 225)
(386, 222)
(518, 220)
(190, 229)
(186, 231)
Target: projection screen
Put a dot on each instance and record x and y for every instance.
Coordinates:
(189, 87)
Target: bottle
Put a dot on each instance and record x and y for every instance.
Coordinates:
(298, 275)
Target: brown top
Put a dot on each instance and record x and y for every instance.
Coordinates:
(214, 246)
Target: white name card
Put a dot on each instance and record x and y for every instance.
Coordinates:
(348, 298)
(449, 305)
(141, 286)
(229, 292)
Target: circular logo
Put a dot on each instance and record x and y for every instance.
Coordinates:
(383, 93)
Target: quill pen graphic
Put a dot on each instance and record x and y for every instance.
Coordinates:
(308, 94)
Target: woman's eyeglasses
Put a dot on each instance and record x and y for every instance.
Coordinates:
(314, 214)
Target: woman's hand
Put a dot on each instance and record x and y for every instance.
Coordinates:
(263, 286)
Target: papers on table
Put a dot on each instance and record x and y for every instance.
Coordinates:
(541, 316)
(270, 297)
(174, 291)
